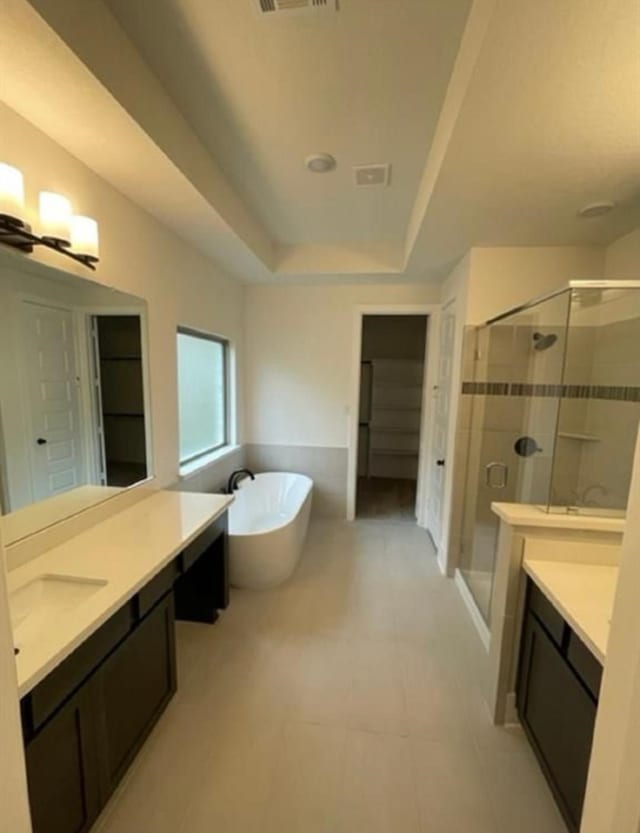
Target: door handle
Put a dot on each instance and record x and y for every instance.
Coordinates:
(41, 441)
(491, 482)
(439, 462)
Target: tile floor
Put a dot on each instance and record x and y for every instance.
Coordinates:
(344, 701)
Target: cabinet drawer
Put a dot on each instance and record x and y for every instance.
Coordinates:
(546, 614)
(158, 587)
(196, 548)
(48, 695)
(585, 665)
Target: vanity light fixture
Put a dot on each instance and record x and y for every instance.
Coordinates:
(84, 237)
(11, 194)
(75, 237)
(55, 218)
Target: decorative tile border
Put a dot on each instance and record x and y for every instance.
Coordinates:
(615, 393)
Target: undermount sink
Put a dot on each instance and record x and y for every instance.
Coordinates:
(35, 606)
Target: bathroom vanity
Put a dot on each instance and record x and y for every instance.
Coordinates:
(563, 648)
(95, 634)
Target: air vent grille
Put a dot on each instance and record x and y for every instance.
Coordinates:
(270, 6)
(372, 175)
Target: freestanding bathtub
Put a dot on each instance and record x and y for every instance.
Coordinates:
(268, 524)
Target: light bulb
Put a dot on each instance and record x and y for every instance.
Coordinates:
(11, 193)
(55, 217)
(84, 236)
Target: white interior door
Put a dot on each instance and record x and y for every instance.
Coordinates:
(442, 395)
(55, 441)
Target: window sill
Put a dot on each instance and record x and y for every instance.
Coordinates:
(189, 469)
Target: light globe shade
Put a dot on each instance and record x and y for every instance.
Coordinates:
(55, 217)
(11, 192)
(84, 236)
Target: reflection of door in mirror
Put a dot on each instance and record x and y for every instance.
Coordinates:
(56, 457)
(120, 419)
(73, 396)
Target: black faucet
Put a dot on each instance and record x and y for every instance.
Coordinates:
(235, 477)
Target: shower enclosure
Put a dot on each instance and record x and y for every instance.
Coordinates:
(550, 409)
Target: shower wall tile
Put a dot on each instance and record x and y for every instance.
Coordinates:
(327, 467)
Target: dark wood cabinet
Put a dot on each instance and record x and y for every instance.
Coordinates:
(135, 684)
(85, 722)
(76, 756)
(557, 701)
(62, 768)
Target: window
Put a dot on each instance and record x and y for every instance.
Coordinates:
(202, 394)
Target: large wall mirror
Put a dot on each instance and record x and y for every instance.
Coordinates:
(74, 414)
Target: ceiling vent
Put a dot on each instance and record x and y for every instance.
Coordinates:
(269, 7)
(372, 175)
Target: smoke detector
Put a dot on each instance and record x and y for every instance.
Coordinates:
(596, 209)
(320, 163)
(272, 7)
(372, 175)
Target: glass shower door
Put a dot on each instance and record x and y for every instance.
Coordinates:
(514, 396)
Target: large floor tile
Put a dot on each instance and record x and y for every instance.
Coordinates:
(378, 791)
(349, 699)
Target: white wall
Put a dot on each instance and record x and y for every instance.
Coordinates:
(622, 258)
(501, 278)
(138, 256)
(612, 802)
(299, 349)
(14, 806)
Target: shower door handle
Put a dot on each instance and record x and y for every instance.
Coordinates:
(500, 468)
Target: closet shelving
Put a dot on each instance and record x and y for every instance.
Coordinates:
(394, 417)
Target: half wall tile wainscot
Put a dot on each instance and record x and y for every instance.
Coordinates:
(327, 467)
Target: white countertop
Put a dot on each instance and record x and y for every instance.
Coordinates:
(126, 551)
(527, 514)
(17, 525)
(582, 593)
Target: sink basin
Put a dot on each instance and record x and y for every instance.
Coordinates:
(35, 606)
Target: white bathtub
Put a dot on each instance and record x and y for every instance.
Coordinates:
(268, 524)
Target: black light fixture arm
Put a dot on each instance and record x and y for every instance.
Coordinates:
(15, 233)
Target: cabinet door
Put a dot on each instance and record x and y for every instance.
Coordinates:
(136, 683)
(559, 717)
(62, 769)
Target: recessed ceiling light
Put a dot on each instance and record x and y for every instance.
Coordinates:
(596, 209)
(320, 163)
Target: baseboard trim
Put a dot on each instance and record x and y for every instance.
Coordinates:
(481, 626)
(511, 712)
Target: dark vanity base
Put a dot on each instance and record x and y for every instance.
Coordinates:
(203, 586)
(85, 722)
(558, 688)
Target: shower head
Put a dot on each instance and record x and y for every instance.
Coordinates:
(543, 342)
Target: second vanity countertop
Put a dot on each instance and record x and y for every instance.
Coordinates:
(126, 551)
(582, 593)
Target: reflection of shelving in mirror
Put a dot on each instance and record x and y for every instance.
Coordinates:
(123, 439)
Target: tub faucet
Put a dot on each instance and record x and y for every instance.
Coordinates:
(235, 478)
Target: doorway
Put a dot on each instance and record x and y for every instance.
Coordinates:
(120, 409)
(392, 369)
